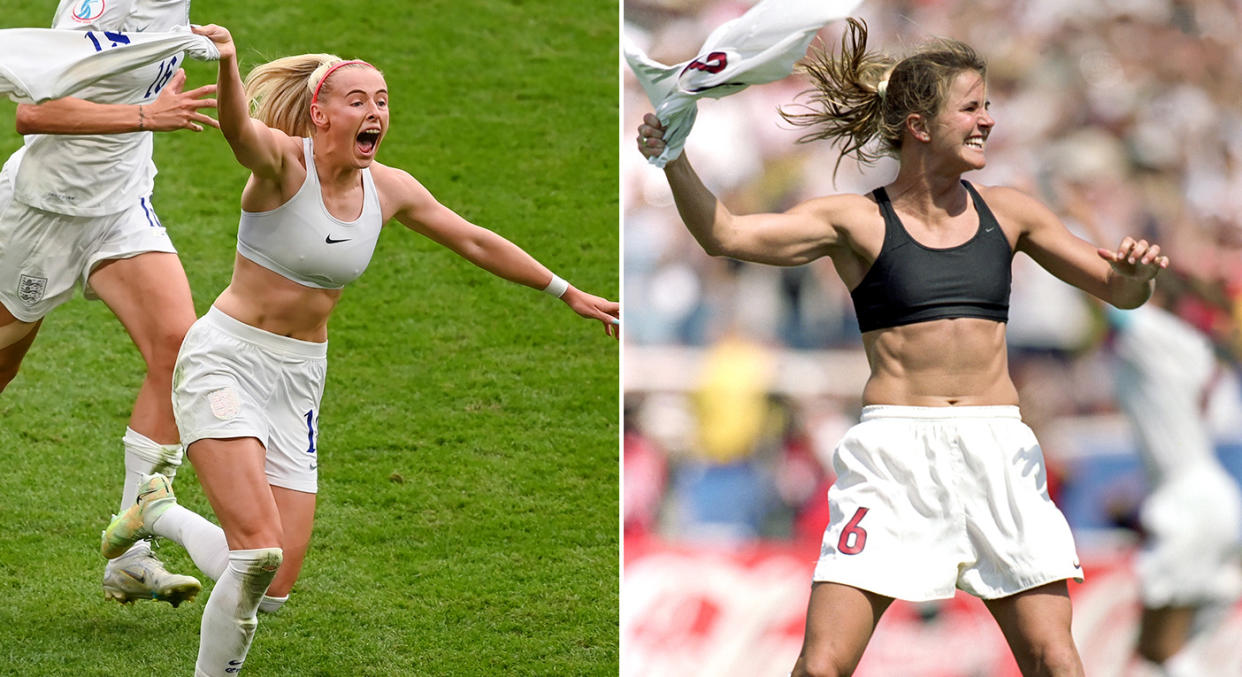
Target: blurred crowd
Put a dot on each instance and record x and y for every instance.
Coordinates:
(1124, 116)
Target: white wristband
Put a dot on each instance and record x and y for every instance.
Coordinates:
(557, 287)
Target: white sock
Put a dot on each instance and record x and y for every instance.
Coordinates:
(270, 605)
(229, 618)
(143, 456)
(203, 540)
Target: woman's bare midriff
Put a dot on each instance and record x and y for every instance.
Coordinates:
(273, 303)
(941, 363)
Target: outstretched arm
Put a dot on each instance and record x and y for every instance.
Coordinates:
(795, 237)
(256, 146)
(173, 109)
(417, 209)
(1124, 277)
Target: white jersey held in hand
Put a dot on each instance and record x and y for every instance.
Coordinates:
(113, 52)
(37, 64)
(760, 46)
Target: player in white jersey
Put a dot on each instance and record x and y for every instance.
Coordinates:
(250, 373)
(75, 204)
(1189, 567)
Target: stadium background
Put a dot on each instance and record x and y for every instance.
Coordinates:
(469, 491)
(739, 379)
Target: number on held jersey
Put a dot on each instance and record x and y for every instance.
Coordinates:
(167, 68)
(115, 40)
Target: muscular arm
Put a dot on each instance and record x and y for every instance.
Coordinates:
(76, 116)
(795, 237)
(798, 236)
(415, 207)
(256, 146)
(1124, 277)
(172, 109)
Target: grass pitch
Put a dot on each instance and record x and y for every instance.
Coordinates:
(467, 519)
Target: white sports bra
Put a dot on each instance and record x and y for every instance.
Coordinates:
(301, 241)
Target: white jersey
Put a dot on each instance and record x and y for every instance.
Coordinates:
(1165, 366)
(301, 241)
(759, 46)
(90, 54)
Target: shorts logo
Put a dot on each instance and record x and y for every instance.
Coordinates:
(88, 11)
(31, 289)
(224, 403)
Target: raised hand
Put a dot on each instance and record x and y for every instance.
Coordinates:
(175, 109)
(650, 136)
(220, 36)
(1139, 259)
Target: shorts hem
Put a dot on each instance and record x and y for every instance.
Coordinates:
(886, 589)
(304, 487)
(882, 588)
(187, 440)
(22, 315)
(1029, 584)
(88, 292)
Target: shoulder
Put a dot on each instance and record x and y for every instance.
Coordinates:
(1009, 199)
(392, 182)
(398, 190)
(839, 210)
(1016, 206)
(290, 146)
(852, 216)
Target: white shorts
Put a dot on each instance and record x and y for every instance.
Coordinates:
(235, 380)
(44, 255)
(1191, 555)
(928, 499)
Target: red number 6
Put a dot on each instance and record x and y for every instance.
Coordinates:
(853, 530)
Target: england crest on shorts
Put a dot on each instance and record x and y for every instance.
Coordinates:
(30, 289)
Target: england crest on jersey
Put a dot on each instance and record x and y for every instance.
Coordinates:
(30, 289)
(88, 11)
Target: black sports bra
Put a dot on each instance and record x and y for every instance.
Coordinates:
(909, 282)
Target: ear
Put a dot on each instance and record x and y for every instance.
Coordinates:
(916, 124)
(318, 117)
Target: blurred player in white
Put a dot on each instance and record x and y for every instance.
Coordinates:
(1190, 566)
(75, 208)
(250, 374)
(941, 485)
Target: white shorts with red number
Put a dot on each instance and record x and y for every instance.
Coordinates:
(929, 499)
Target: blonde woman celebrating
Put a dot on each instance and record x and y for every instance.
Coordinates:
(941, 485)
(250, 374)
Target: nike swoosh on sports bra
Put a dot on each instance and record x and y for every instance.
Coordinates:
(910, 282)
(301, 241)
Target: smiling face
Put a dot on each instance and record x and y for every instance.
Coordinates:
(960, 130)
(352, 112)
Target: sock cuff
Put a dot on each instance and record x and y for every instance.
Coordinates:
(258, 559)
(269, 604)
(166, 456)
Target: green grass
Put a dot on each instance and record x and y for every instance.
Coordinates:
(467, 519)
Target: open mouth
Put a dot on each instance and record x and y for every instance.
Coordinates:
(367, 140)
(975, 142)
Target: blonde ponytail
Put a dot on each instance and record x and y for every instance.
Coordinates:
(280, 91)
